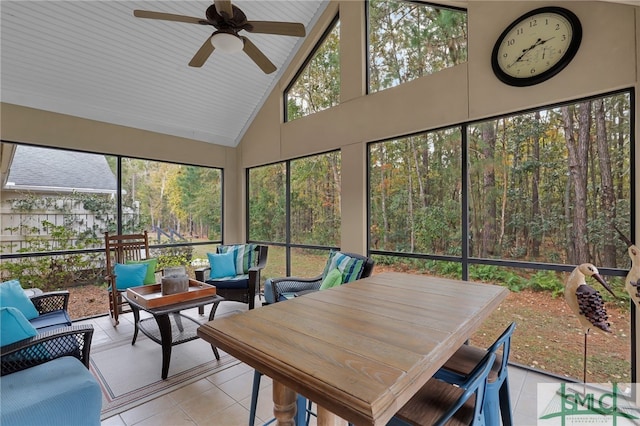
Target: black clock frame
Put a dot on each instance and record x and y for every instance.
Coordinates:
(555, 69)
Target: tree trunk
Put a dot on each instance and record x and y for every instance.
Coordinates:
(489, 189)
(607, 197)
(535, 240)
(383, 199)
(578, 165)
(410, 209)
(421, 190)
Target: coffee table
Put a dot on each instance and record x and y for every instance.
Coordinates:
(167, 327)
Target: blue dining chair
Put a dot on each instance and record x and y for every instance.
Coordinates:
(457, 371)
(303, 408)
(438, 403)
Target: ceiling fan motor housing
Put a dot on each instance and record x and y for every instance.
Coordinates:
(234, 23)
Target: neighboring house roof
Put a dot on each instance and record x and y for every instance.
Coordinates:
(54, 170)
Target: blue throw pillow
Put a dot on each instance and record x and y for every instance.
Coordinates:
(14, 326)
(222, 265)
(130, 275)
(12, 294)
(245, 256)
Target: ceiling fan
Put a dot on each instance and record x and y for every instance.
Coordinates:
(229, 20)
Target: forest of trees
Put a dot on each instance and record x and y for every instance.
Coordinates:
(408, 40)
(546, 186)
(317, 86)
(186, 199)
(314, 206)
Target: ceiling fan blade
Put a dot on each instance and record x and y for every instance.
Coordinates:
(224, 6)
(202, 54)
(281, 28)
(168, 17)
(258, 57)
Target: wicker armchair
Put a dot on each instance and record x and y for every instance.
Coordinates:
(46, 379)
(52, 307)
(51, 301)
(240, 288)
(48, 345)
(278, 289)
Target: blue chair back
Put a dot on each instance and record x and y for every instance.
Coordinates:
(504, 342)
(477, 384)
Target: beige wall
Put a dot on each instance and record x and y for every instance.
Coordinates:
(27, 125)
(607, 60)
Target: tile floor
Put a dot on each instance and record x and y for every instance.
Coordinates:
(223, 398)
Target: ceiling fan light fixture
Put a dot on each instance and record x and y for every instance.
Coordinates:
(227, 43)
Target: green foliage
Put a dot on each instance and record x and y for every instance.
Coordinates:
(408, 40)
(496, 275)
(317, 87)
(174, 256)
(315, 184)
(521, 194)
(546, 281)
(445, 269)
(51, 272)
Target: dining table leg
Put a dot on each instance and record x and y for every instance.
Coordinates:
(284, 409)
(284, 405)
(327, 418)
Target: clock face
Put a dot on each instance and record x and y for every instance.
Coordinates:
(536, 46)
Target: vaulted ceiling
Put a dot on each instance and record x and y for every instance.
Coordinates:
(95, 60)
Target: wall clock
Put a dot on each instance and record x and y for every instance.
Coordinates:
(536, 46)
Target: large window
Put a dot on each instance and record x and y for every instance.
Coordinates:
(268, 203)
(415, 193)
(296, 205)
(315, 200)
(410, 39)
(317, 86)
(518, 201)
(57, 204)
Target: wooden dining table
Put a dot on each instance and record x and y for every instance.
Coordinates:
(360, 350)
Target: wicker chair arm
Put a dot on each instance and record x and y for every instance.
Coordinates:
(200, 276)
(51, 301)
(297, 279)
(73, 341)
(294, 285)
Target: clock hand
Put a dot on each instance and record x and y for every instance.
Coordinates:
(538, 42)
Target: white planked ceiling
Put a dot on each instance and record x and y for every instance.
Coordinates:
(93, 59)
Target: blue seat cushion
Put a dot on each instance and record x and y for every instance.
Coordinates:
(51, 320)
(286, 296)
(58, 392)
(239, 281)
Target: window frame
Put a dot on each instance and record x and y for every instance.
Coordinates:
(118, 203)
(287, 244)
(303, 67)
(465, 259)
(367, 39)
